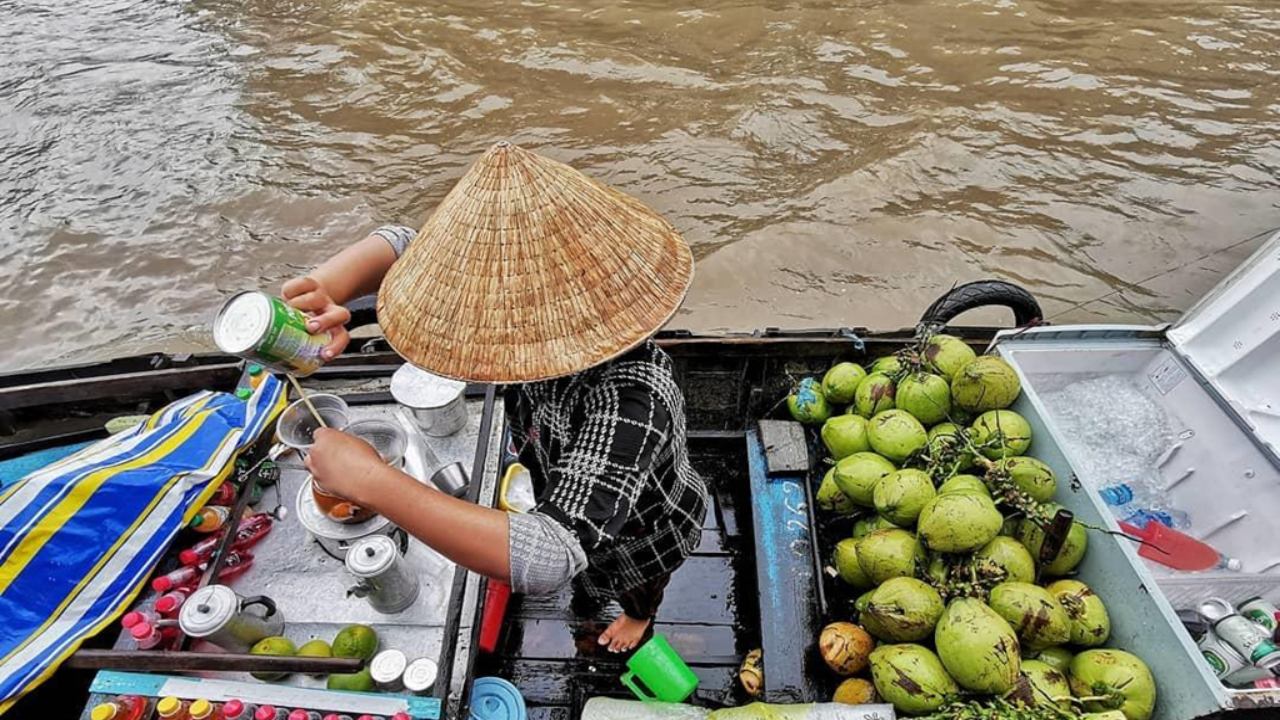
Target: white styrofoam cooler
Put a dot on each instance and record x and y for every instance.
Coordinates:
(1215, 374)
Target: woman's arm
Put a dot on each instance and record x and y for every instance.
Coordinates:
(472, 536)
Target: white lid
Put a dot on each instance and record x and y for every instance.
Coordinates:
(420, 675)
(208, 609)
(416, 388)
(241, 322)
(1230, 337)
(371, 556)
(387, 666)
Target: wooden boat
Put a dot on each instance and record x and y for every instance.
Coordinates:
(755, 580)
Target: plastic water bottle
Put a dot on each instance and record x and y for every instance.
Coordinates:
(1138, 508)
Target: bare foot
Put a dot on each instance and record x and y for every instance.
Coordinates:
(624, 634)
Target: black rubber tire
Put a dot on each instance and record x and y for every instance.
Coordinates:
(981, 293)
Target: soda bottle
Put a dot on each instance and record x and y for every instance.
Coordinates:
(336, 716)
(171, 708)
(248, 533)
(189, 576)
(204, 710)
(146, 635)
(300, 714)
(270, 712)
(168, 604)
(236, 710)
(124, 707)
(210, 518)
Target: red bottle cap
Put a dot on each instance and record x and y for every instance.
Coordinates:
(298, 714)
(162, 584)
(188, 557)
(141, 629)
(231, 709)
(332, 716)
(131, 618)
(401, 716)
(265, 712)
(167, 604)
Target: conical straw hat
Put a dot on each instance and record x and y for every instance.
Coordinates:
(530, 270)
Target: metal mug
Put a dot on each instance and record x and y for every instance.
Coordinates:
(216, 614)
(451, 479)
(438, 404)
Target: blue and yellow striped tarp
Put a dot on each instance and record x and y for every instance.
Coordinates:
(78, 538)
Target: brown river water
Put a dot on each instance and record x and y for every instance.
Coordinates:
(831, 163)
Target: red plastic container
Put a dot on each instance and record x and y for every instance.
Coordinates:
(495, 610)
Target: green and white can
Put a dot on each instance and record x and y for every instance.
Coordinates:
(1221, 657)
(1261, 612)
(265, 329)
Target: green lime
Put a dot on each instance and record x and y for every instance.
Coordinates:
(356, 641)
(359, 681)
(274, 645)
(315, 648)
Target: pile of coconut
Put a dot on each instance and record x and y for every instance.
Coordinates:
(957, 615)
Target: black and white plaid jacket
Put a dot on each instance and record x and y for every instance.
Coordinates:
(607, 451)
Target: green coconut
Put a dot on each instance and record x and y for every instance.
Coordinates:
(1001, 433)
(863, 600)
(958, 522)
(1048, 684)
(831, 498)
(912, 678)
(926, 396)
(845, 558)
(899, 496)
(946, 447)
(1031, 476)
(947, 354)
(807, 404)
(1059, 658)
(987, 383)
(858, 474)
(1009, 556)
(902, 609)
(938, 571)
(1071, 552)
(977, 647)
(845, 435)
(1120, 678)
(889, 365)
(874, 394)
(964, 484)
(885, 554)
(1034, 614)
(841, 382)
(1090, 622)
(869, 525)
(896, 435)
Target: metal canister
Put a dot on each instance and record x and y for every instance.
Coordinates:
(383, 577)
(267, 330)
(216, 614)
(387, 670)
(1261, 612)
(420, 676)
(437, 403)
(1248, 639)
(1220, 656)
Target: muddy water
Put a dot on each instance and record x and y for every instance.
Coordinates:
(832, 163)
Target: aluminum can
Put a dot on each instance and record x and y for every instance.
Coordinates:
(1248, 639)
(387, 670)
(383, 577)
(267, 330)
(1261, 612)
(420, 676)
(1221, 657)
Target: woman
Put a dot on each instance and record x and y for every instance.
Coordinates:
(531, 275)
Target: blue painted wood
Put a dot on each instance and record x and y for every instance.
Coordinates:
(789, 621)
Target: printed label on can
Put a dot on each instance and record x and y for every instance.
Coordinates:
(1261, 618)
(1217, 663)
(287, 341)
(1219, 655)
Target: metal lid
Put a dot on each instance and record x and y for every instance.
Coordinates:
(387, 666)
(371, 556)
(420, 675)
(416, 388)
(208, 609)
(241, 322)
(493, 698)
(319, 525)
(1214, 609)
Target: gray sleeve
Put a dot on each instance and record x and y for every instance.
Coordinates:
(544, 554)
(398, 236)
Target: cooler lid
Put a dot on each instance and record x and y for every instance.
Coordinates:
(1232, 337)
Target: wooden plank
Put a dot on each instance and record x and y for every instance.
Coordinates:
(136, 384)
(785, 447)
(180, 661)
(785, 580)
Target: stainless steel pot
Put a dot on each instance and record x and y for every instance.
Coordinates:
(216, 614)
(437, 403)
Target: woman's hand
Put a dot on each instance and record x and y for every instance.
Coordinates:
(346, 466)
(309, 296)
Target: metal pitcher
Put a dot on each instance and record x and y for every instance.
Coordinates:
(216, 614)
